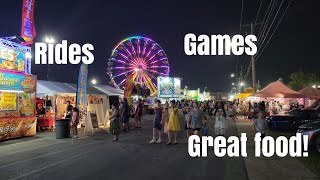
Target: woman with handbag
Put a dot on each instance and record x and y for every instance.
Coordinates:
(114, 122)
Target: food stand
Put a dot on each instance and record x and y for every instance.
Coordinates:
(45, 119)
(59, 94)
(17, 91)
(278, 97)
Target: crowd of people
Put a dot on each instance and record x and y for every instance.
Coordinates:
(166, 119)
(197, 115)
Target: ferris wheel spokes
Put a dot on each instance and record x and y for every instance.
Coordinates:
(138, 56)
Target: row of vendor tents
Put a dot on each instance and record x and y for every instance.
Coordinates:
(49, 88)
(279, 90)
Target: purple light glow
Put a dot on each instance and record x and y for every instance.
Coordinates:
(124, 56)
(157, 60)
(141, 59)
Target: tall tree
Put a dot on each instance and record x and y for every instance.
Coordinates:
(299, 80)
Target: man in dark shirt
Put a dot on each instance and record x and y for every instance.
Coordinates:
(41, 111)
(138, 114)
(69, 106)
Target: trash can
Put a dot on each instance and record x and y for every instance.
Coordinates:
(62, 128)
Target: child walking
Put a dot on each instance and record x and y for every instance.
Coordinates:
(260, 124)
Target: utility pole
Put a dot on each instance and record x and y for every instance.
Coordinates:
(253, 64)
(253, 67)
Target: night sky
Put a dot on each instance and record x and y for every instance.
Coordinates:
(105, 23)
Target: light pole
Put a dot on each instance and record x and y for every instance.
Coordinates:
(49, 40)
(241, 85)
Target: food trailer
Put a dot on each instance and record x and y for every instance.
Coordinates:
(17, 91)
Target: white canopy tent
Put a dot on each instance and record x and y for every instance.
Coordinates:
(49, 88)
(111, 91)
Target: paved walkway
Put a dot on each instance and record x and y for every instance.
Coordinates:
(273, 168)
(96, 157)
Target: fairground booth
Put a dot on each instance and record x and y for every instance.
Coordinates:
(312, 95)
(169, 88)
(17, 91)
(278, 96)
(57, 95)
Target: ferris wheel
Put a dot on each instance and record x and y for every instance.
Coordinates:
(140, 57)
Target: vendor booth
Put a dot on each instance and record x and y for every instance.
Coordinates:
(279, 97)
(248, 92)
(17, 91)
(60, 95)
(312, 95)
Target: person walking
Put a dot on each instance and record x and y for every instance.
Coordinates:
(114, 122)
(187, 117)
(220, 118)
(196, 119)
(138, 113)
(157, 122)
(173, 124)
(75, 121)
(234, 111)
(124, 115)
(166, 117)
(260, 125)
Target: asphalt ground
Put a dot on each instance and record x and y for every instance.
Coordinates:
(96, 157)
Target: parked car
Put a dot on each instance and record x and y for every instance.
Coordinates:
(313, 131)
(293, 119)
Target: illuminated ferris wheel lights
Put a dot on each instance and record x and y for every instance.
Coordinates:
(140, 56)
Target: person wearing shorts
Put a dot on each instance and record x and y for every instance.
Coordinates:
(157, 123)
(196, 119)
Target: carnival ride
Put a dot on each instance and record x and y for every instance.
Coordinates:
(140, 57)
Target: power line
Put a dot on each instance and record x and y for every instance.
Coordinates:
(257, 14)
(274, 29)
(266, 23)
(264, 38)
(264, 18)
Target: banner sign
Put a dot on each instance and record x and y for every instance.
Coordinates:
(18, 82)
(8, 101)
(12, 60)
(17, 127)
(128, 87)
(28, 30)
(81, 102)
(168, 87)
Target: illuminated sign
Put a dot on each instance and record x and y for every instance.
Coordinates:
(193, 94)
(12, 60)
(14, 57)
(8, 101)
(168, 87)
(18, 82)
